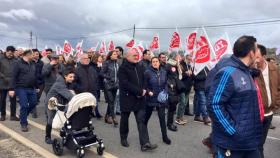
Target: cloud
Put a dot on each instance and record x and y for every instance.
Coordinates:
(3, 26)
(19, 14)
(54, 21)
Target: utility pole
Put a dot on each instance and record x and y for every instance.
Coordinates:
(30, 42)
(36, 42)
(134, 31)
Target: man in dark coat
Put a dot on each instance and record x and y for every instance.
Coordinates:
(7, 63)
(24, 83)
(50, 72)
(146, 62)
(132, 99)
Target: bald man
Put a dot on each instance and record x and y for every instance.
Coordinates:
(132, 99)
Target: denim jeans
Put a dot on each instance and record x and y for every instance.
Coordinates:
(27, 101)
(200, 103)
(184, 98)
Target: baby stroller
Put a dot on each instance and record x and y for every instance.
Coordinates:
(76, 129)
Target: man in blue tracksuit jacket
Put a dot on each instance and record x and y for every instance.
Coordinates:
(233, 105)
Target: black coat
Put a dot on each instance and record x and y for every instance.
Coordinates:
(100, 77)
(187, 80)
(6, 71)
(86, 79)
(24, 75)
(131, 85)
(109, 71)
(200, 78)
(39, 67)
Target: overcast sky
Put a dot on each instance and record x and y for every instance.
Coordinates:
(54, 21)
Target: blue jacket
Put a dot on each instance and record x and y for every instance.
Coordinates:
(155, 81)
(233, 108)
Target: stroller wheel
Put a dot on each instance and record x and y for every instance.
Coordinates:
(80, 153)
(57, 147)
(100, 150)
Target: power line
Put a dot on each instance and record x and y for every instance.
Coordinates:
(88, 36)
(211, 26)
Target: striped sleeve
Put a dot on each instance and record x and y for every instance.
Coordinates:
(219, 95)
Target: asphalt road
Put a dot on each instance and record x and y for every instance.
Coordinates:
(186, 143)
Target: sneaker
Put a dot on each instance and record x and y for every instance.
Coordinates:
(14, 118)
(198, 119)
(24, 128)
(2, 118)
(180, 121)
(148, 147)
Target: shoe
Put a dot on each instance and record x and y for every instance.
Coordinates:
(115, 121)
(24, 128)
(14, 118)
(172, 128)
(207, 143)
(124, 143)
(108, 119)
(48, 140)
(166, 140)
(148, 147)
(198, 119)
(180, 121)
(2, 118)
(206, 120)
(270, 127)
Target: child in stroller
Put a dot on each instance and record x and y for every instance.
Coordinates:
(76, 129)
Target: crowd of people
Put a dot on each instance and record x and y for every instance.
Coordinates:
(238, 97)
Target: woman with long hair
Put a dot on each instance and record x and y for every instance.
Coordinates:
(109, 72)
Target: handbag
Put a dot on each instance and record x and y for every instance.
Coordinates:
(162, 97)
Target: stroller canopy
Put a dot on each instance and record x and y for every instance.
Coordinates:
(80, 101)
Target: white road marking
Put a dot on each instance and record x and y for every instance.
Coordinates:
(26, 142)
(273, 138)
(56, 133)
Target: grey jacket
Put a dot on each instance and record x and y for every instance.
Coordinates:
(6, 72)
(60, 90)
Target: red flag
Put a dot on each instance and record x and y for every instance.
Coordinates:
(79, 49)
(203, 50)
(67, 48)
(102, 48)
(175, 40)
(155, 43)
(111, 46)
(130, 44)
(190, 42)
